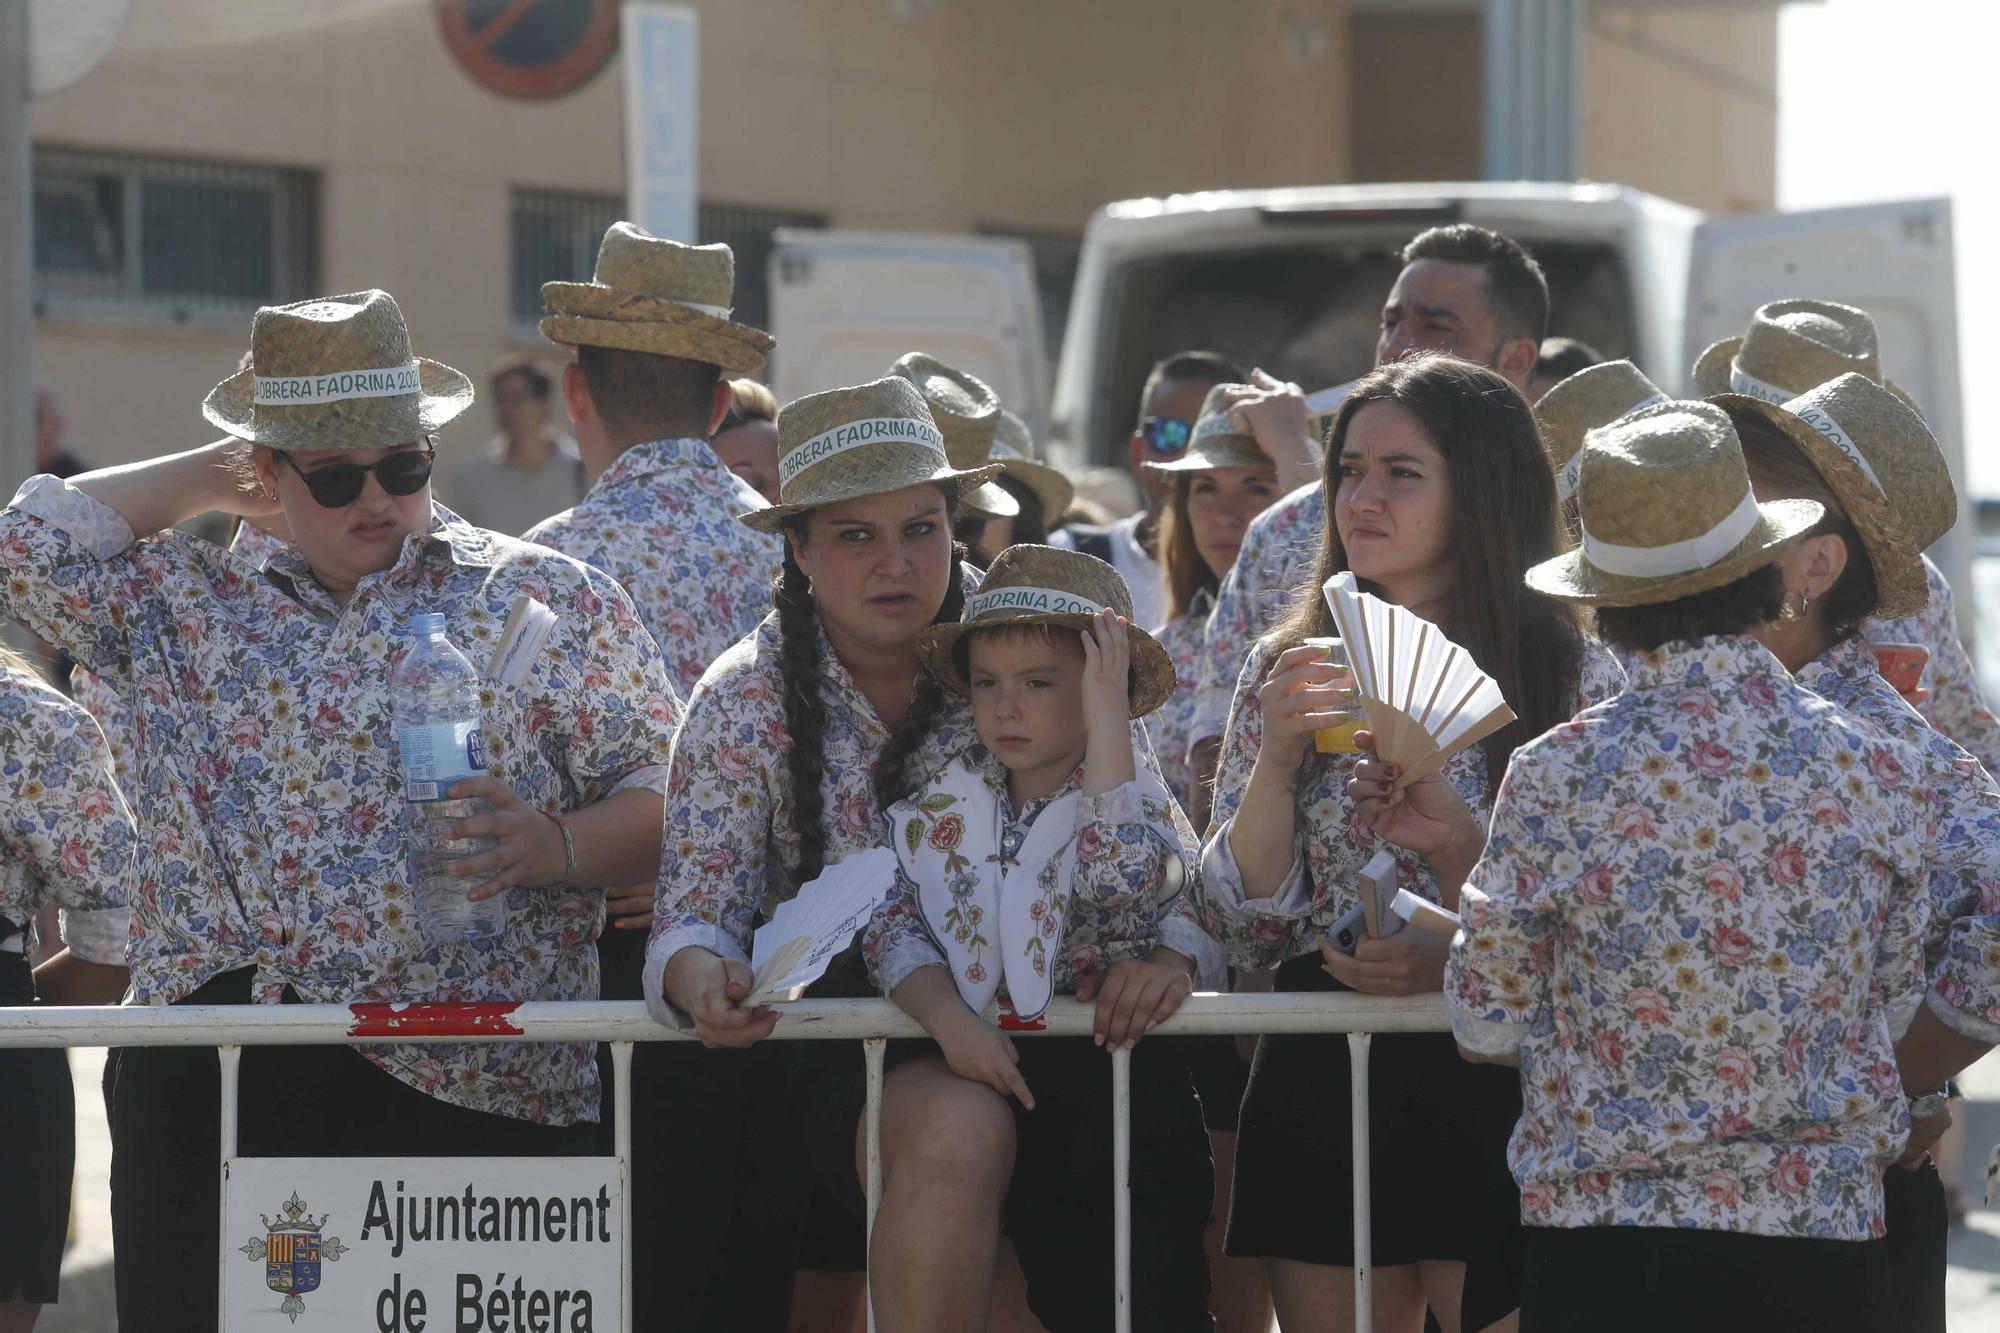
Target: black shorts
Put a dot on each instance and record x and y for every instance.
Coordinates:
(1438, 1130)
(1919, 1234)
(37, 1154)
(1058, 1209)
(1220, 1076)
(1667, 1280)
(164, 1105)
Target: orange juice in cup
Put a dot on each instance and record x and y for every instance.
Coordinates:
(1338, 739)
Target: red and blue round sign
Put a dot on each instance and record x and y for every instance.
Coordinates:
(530, 48)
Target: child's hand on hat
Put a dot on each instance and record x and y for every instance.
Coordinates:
(1134, 996)
(977, 1050)
(1107, 703)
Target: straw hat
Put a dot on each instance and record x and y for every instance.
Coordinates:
(847, 443)
(1883, 464)
(1216, 441)
(1595, 396)
(1667, 511)
(1014, 448)
(967, 413)
(653, 295)
(1040, 585)
(335, 372)
(1790, 347)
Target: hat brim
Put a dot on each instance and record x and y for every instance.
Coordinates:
(583, 314)
(1711, 368)
(991, 501)
(1900, 585)
(1153, 677)
(1570, 577)
(772, 518)
(1052, 490)
(347, 423)
(1217, 452)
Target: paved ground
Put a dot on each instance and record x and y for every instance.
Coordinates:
(87, 1305)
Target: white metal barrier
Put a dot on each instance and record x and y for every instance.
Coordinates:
(871, 1021)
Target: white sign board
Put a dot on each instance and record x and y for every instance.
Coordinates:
(660, 45)
(423, 1244)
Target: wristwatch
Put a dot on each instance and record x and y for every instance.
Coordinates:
(1925, 1105)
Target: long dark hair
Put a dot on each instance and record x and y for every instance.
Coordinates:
(1780, 470)
(805, 714)
(1504, 519)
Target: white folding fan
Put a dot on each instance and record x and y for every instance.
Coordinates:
(1424, 697)
(791, 950)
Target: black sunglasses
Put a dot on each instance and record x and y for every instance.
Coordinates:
(1166, 435)
(339, 486)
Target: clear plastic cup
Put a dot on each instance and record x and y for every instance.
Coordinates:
(1339, 739)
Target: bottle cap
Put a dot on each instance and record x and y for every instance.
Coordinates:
(428, 622)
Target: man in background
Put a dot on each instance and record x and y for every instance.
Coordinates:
(1560, 358)
(525, 473)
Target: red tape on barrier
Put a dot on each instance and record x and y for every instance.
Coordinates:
(490, 1019)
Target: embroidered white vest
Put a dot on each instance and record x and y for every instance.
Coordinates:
(992, 918)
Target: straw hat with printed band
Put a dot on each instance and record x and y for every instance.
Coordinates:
(653, 295)
(1595, 396)
(335, 372)
(1881, 460)
(844, 444)
(1791, 346)
(1667, 511)
(1217, 441)
(1014, 448)
(967, 413)
(1040, 585)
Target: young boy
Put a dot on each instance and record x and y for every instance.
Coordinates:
(1046, 860)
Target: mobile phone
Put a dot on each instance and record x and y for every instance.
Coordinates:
(1349, 930)
(1902, 664)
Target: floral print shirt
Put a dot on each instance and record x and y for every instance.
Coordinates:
(65, 834)
(268, 775)
(1172, 727)
(1962, 944)
(1698, 921)
(1127, 840)
(1278, 554)
(1332, 845)
(662, 521)
(1957, 706)
(730, 853)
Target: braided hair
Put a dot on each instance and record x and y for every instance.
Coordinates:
(805, 714)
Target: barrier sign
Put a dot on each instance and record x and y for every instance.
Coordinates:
(423, 1244)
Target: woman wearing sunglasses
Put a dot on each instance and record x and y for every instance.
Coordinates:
(272, 866)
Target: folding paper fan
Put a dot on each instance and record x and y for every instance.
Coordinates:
(1424, 697)
(792, 950)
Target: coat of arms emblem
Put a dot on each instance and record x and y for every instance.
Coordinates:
(292, 1250)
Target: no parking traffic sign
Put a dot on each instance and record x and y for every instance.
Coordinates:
(530, 48)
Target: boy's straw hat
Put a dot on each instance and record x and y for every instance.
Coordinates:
(1790, 347)
(1014, 448)
(967, 413)
(649, 294)
(1216, 441)
(1040, 585)
(1667, 511)
(847, 443)
(1883, 464)
(1595, 396)
(335, 372)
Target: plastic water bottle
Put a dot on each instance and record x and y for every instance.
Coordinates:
(437, 730)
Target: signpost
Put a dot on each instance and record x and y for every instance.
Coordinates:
(423, 1244)
(662, 47)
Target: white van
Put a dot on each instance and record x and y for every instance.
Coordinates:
(1293, 280)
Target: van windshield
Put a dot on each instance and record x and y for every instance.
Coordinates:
(1310, 313)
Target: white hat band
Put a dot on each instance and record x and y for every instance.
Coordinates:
(1841, 440)
(1681, 557)
(719, 311)
(1750, 386)
(386, 382)
(1041, 601)
(853, 435)
(1571, 475)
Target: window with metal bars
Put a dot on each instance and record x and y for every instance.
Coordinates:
(132, 236)
(556, 234)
